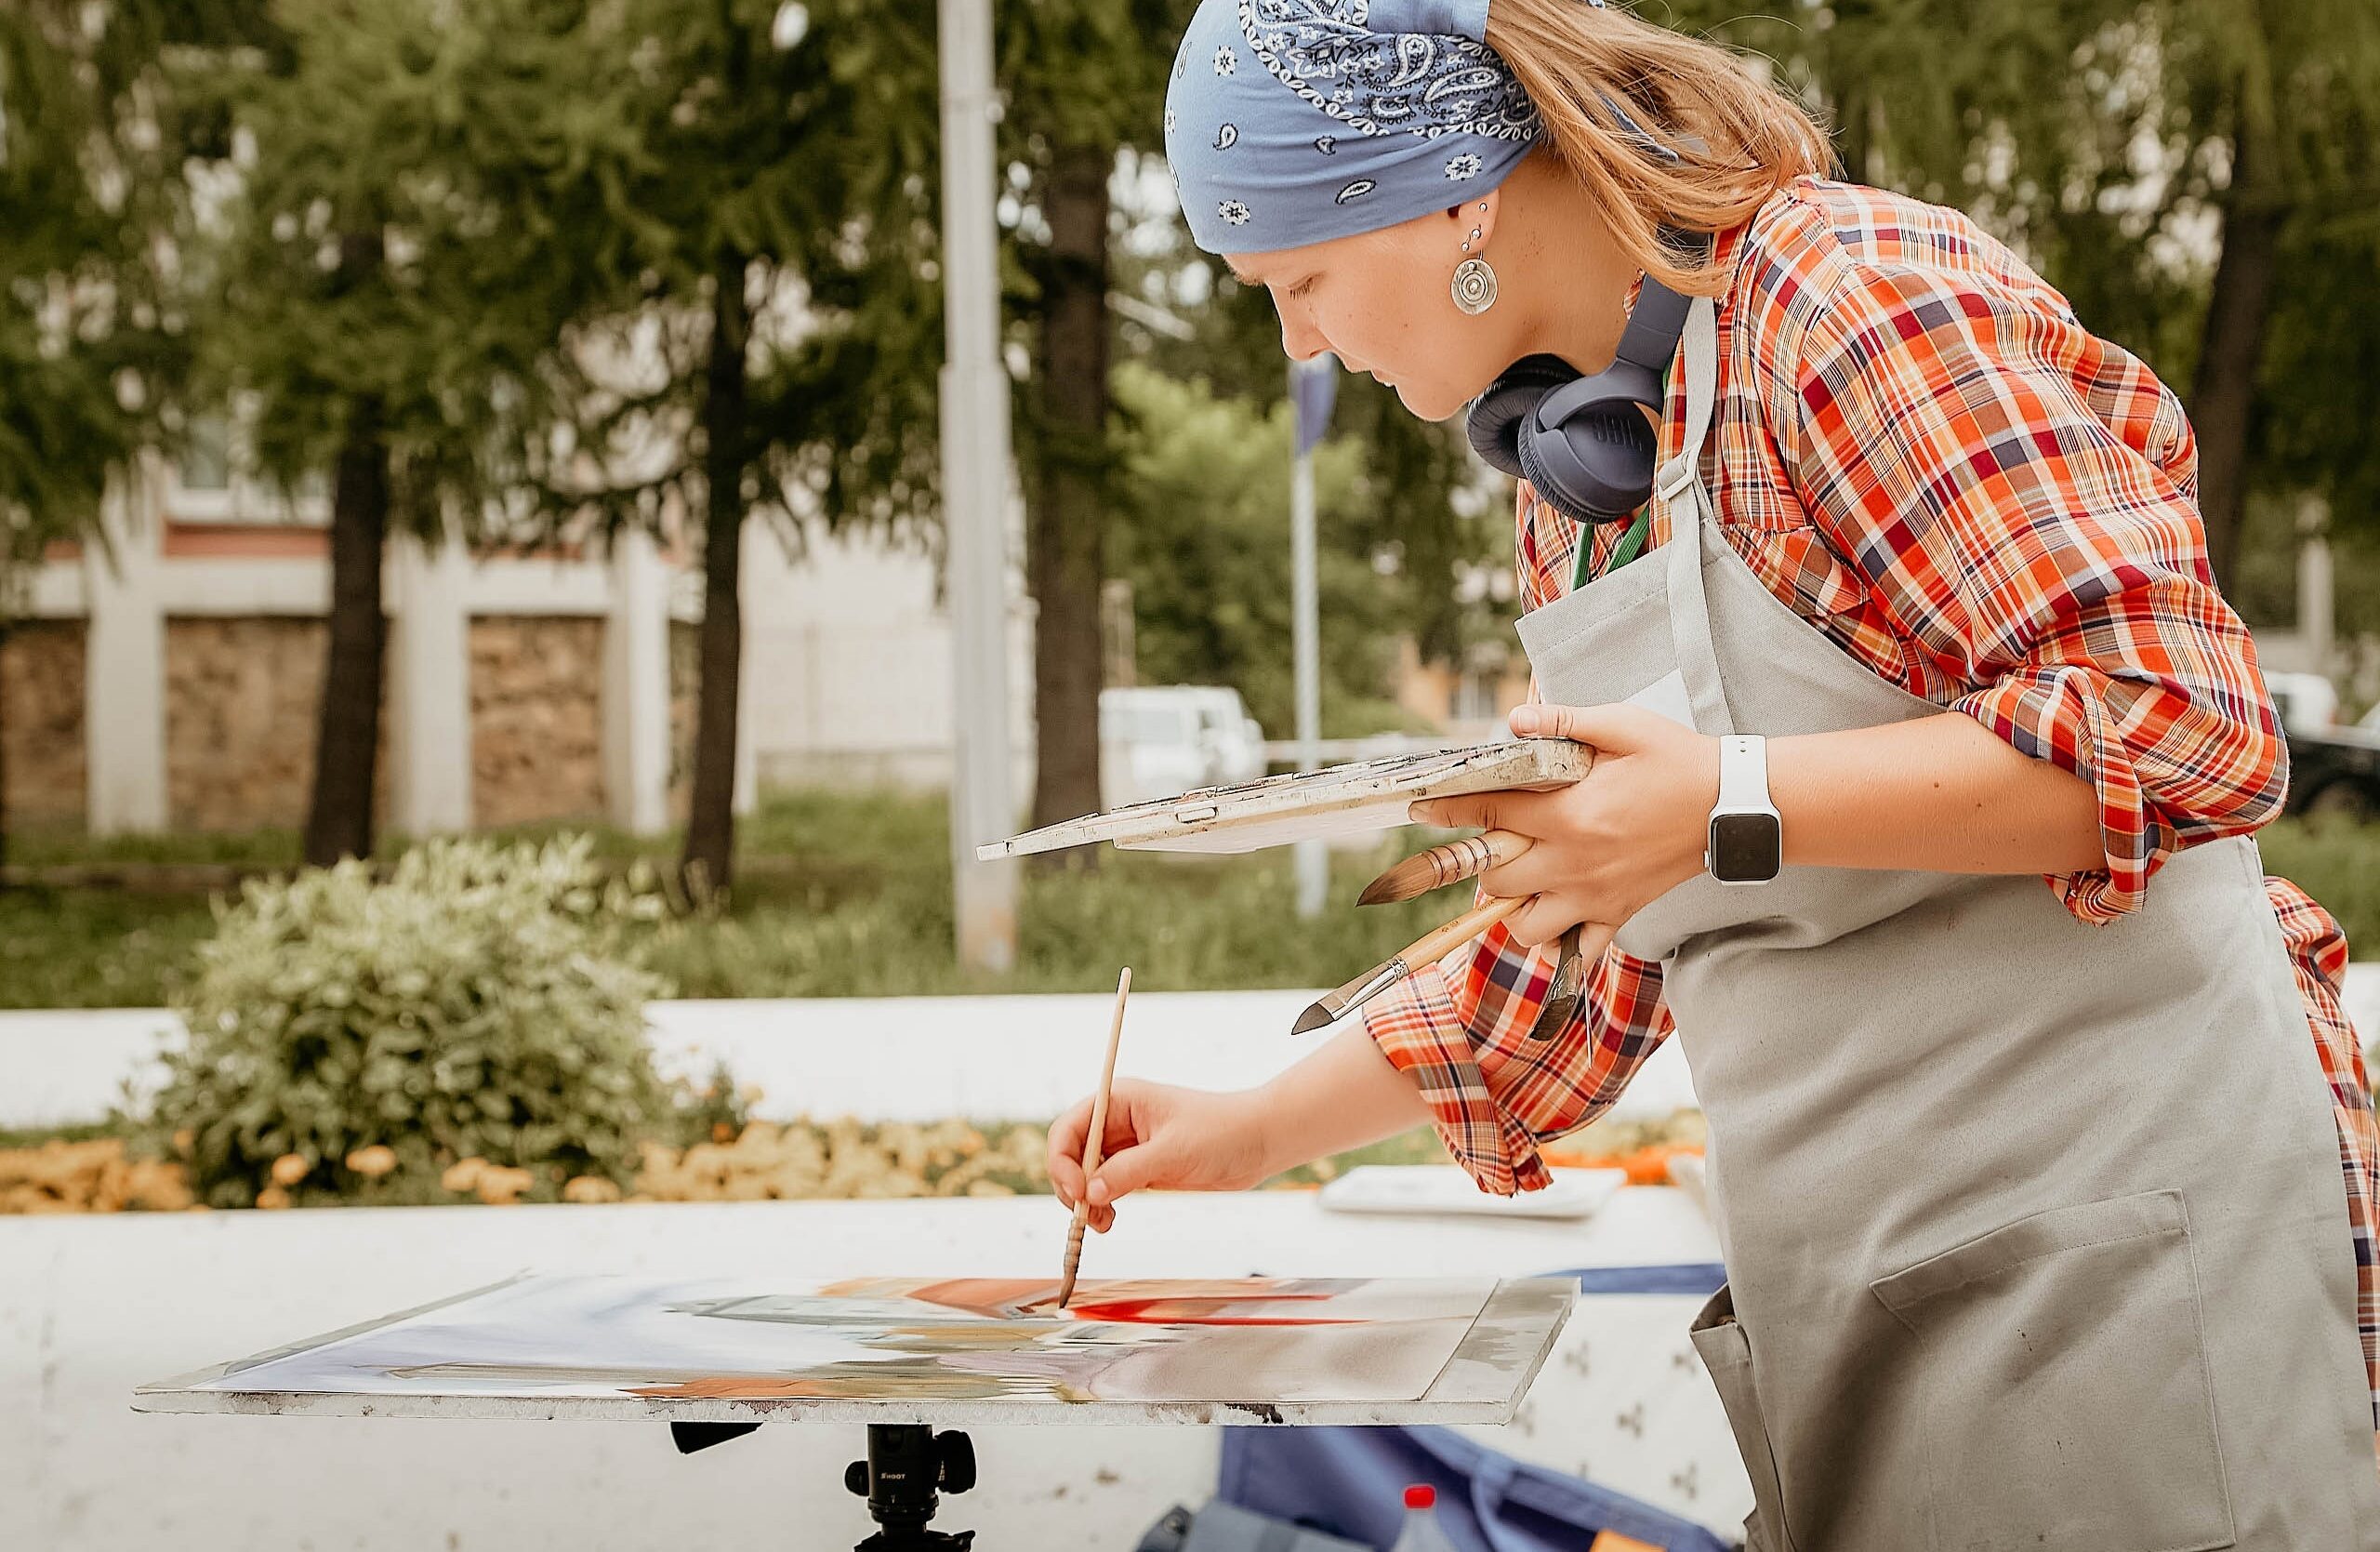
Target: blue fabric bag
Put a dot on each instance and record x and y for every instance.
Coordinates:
(1351, 1482)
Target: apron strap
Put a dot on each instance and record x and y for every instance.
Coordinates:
(1678, 487)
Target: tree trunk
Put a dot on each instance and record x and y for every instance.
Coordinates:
(347, 742)
(4, 741)
(2231, 348)
(1065, 546)
(710, 824)
(1855, 134)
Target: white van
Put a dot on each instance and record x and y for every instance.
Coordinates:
(1156, 740)
(2307, 702)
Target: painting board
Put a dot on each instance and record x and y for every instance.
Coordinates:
(954, 1352)
(1312, 805)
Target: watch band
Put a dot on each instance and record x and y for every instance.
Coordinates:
(1747, 835)
(1743, 772)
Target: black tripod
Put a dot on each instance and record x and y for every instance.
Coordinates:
(906, 1462)
(907, 1465)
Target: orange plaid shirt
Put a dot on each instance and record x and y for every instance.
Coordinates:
(1918, 449)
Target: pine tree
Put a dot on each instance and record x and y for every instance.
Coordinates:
(1083, 80)
(767, 230)
(384, 285)
(91, 346)
(2116, 140)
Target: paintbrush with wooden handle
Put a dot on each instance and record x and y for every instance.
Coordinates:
(1091, 1148)
(1440, 866)
(1431, 947)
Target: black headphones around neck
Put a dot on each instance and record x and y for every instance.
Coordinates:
(1582, 442)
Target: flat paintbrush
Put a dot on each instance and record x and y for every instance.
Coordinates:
(1091, 1148)
(1440, 866)
(1435, 946)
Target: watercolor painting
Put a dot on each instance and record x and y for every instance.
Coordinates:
(1155, 1340)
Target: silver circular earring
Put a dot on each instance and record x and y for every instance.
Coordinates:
(1474, 286)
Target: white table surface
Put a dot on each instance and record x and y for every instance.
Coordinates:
(91, 1307)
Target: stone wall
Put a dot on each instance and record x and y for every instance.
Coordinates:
(537, 719)
(243, 696)
(242, 703)
(41, 722)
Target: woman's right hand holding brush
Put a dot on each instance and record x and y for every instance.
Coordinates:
(1161, 1137)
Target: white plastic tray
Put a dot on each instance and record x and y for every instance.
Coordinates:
(1444, 1189)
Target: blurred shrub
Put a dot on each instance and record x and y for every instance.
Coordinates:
(482, 1002)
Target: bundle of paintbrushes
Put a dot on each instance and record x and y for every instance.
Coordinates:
(1440, 866)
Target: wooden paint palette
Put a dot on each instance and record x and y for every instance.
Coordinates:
(1311, 805)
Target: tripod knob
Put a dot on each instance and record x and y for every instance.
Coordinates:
(955, 1453)
(855, 1478)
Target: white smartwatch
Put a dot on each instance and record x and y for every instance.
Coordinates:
(1747, 839)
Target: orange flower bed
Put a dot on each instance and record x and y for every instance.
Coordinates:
(94, 1176)
(1645, 1166)
(762, 1162)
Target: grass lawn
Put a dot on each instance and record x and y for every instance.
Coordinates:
(839, 893)
(846, 893)
(94, 947)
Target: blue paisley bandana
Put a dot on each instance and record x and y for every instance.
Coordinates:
(1290, 122)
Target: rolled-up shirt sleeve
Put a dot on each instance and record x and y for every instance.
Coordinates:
(1466, 1029)
(2045, 552)
(1463, 1029)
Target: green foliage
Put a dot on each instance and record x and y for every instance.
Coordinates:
(862, 909)
(2337, 860)
(2263, 586)
(2320, 369)
(1076, 75)
(1180, 924)
(1201, 529)
(95, 948)
(89, 337)
(57, 845)
(716, 144)
(2102, 139)
(483, 1002)
(393, 249)
(848, 895)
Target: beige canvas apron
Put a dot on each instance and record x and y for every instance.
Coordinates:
(2035, 1230)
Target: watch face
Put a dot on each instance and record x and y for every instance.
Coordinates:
(1746, 848)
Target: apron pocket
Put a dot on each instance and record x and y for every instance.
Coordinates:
(1727, 1352)
(2065, 1393)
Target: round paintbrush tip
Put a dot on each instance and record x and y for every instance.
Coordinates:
(1403, 882)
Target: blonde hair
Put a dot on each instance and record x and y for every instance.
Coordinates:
(1576, 61)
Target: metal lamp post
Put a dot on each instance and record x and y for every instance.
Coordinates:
(974, 490)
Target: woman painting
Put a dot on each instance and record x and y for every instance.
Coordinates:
(1926, 758)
